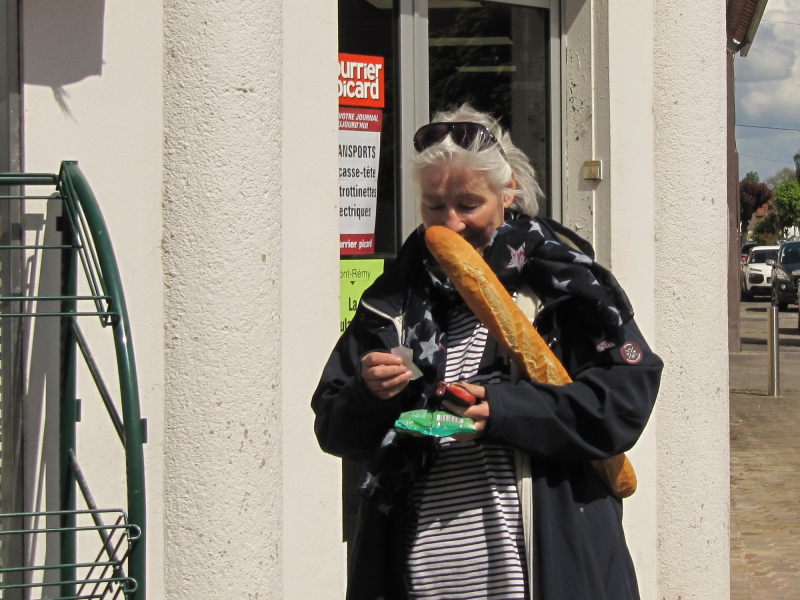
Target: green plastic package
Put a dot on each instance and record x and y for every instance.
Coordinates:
(436, 423)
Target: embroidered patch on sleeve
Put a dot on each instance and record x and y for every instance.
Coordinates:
(631, 353)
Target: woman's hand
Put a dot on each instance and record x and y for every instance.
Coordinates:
(384, 374)
(478, 412)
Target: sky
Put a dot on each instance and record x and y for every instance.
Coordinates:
(768, 92)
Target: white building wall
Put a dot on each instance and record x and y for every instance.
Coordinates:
(223, 270)
(631, 200)
(91, 73)
(219, 120)
(312, 550)
(638, 101)
(608, 75)
(691, 304)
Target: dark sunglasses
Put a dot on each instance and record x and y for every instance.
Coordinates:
(463, 133)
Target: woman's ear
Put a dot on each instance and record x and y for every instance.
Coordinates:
(508, 192)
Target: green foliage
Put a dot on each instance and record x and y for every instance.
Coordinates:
(787, 204)
(751, 177)
(766, 232)
(777, 178)
(796, 159)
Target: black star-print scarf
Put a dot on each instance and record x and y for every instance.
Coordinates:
(553, 261)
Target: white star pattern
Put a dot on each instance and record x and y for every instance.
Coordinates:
(428, 348)
(387, 439)
(535, 227)
(561, 285)
(517, 258)
(580, 258)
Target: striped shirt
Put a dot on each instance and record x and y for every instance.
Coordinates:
(464, 536)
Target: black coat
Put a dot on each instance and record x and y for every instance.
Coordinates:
(580, 547)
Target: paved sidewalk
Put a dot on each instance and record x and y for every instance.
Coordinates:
(765, 462)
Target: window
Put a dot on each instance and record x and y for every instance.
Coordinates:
(495, 56)
(501, 57)
(367, 29)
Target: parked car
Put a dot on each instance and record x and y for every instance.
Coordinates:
(785, 273)
(745, 250)
(756, 273)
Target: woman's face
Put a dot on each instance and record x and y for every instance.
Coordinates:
(461, 199)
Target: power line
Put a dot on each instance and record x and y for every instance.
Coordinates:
(780, 22)
(765, 127)
(784, 162)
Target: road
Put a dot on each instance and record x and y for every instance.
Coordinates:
(765, 461)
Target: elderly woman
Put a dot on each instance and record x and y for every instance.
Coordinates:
(513, 510)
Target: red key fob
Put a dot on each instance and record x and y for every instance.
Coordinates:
(455, 394)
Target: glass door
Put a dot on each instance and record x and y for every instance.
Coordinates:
(501, 57)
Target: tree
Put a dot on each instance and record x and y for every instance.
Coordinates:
(752, 177)
(787, 205)
(777, 178)
(752, 196)
(766, 232)
(796, 158)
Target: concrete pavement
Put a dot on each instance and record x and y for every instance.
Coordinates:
(765, 461)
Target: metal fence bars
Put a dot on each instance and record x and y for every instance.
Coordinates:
(115, 537)
(102, 576)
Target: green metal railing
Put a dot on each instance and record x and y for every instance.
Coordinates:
(118, 567)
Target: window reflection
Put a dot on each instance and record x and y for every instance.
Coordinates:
(495, 56)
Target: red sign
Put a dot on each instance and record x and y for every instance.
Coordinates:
(361, 80)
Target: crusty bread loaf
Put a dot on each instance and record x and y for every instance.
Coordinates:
(495, 308)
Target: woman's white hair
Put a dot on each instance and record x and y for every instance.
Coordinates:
(498, 169)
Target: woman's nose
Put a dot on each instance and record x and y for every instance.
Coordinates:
(453, 221)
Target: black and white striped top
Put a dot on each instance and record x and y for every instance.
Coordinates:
(464, 537)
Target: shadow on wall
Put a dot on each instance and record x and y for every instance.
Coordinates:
(41, 413)
(62, 43)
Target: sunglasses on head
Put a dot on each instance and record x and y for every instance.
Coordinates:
(466, 134)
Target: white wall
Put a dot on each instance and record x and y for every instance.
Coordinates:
(91, 76)
(246, 288)
(313, 553)
(631, 165)
(608, 86)
(691, 309)
(223, 270)
(645, 85)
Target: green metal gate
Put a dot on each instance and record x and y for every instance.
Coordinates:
(77, 550)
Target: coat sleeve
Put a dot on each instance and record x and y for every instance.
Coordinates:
(351, 421)
(600, 414)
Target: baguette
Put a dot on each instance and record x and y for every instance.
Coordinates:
(495, 308)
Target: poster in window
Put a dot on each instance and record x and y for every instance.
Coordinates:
(361, 97)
